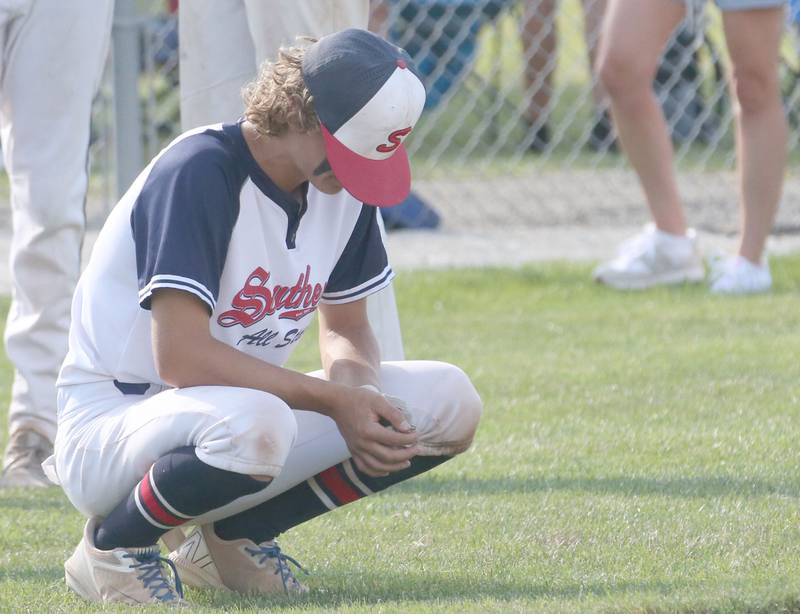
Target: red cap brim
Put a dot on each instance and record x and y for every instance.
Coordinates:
(382, 183)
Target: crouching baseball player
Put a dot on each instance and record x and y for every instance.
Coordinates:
(173, 404)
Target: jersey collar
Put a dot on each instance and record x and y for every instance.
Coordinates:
(294, 210)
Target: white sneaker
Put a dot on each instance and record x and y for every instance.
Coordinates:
(737, 275)
(241, 565)
(22, 466)
(653, 258)
(132, 575)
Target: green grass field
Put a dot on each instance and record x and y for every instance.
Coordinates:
(638, 453)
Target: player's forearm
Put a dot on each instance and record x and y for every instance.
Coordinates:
(209, 362)
(350, 357)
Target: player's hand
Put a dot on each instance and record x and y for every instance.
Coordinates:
(377, 450)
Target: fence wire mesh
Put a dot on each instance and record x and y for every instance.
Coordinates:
(516, 129)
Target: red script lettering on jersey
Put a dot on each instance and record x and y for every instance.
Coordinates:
(395, 139)
(256, 301)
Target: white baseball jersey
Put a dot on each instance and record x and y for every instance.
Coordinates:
(204, 218)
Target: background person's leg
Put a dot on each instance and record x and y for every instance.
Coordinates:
(634, 35)
(539, 45)
(753, 31)
(753, 39)
(53, 58)
(217, 58)
(593, 13)
(279, 23)
(223, 43)
(602, 137)
(635, 32)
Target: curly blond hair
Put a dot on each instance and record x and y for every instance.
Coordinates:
(279, 100)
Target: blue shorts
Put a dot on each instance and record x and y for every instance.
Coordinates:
(745, 5)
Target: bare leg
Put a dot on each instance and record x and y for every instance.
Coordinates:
(539, 41)
(753, 38)
(593, 12)
(634, 35)
(379, 17)
(601, 137)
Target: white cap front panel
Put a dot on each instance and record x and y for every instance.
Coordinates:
(382, 124)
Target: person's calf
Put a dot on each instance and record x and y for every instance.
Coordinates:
(755, 92)
(177, 488)
(239, 553)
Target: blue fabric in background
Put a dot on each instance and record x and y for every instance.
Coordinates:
(441, 38)
(412, 213)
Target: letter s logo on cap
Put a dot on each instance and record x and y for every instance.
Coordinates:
(395, 138)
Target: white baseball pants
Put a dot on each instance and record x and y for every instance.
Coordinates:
(52, 54)
(107, 441)
(222, 44)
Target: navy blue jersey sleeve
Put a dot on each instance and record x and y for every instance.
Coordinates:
(183, 219)
(363, 267)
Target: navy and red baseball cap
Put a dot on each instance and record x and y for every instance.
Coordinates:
(368, 96)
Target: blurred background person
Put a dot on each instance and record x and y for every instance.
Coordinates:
(539, 33)
(53, 54)
(666, 251)
(222, 44)
(442, 37)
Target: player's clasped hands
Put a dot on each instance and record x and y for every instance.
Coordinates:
(378, 449)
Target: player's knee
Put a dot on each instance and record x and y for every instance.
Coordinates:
(451, 428)
(266, 433)
(622, 77)
(754, 90)
(470, 407)
(254, 438)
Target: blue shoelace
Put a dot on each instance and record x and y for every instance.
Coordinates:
(274, 552)
(152, 575)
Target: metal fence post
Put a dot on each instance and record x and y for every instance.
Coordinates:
(127, 110)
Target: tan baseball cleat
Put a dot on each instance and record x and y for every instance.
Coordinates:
(206, 561)
(24, 455)
(122, 575)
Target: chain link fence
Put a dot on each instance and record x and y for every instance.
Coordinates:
(516, 129)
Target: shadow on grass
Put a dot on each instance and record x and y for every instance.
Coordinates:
(786, 605)
(336, 591)
(710, 486)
